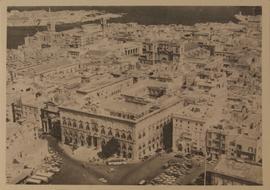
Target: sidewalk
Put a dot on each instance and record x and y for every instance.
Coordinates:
(81, 153)
(24, 151)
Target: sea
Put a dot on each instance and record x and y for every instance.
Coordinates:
(145, 15)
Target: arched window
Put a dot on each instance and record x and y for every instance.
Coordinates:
(75, 140)
(103, 142)
(129, 137)
(103, 131)
(94, 126)
(81, 125)
(130, 147)
(64, 121)
(89, 140)
(117, 134)
(74, 123)
(123, 136)
(110, 132)
(124, 146)
(69, 122)
(81, 137)
(124, 154)
(87, 126)
(129, 155)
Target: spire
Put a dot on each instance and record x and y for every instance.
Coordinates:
(51, 23)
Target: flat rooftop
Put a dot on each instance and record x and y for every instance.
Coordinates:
(52, 65)
(194, 112)
(244, 171)
(132, 104)
(99, 82)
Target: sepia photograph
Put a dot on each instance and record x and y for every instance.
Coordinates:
(134, 95)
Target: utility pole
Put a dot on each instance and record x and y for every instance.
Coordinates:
(205, 160)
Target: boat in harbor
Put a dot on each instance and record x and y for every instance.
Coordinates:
(247, 18)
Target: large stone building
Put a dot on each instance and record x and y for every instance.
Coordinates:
(189, 130)
(140, 119)
(161, 51)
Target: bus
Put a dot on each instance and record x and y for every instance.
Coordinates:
(32, 181)
(116, 161)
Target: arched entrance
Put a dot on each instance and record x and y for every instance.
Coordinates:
(75, 140)
(95, 141)
(180, 147)
(103, 142)
(66, 140)
(89, 140)
(129, 155)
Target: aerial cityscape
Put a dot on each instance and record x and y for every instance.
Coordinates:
(96, 97)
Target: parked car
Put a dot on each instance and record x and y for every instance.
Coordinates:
(33, 181)
(189, 165)
(178, 155)
(112, 169)
(54, 169)
(84, 166)
(145, 158)
(166, 165)
(103, 180)
(44, 179)
(142, 182)
(188, 156)
(159, 150)
(168, 150)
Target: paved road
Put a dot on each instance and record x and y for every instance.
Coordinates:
(190, 177)
(148, 169)
(72, 171)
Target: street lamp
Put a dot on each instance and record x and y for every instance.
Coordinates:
(205, 153)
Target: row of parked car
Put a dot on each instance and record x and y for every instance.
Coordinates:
(173, 169)
(50, 167)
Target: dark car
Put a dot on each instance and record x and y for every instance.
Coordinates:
(145, 158)
(178, 156)
(159, 150)
(168, 150)
(166, 165)
(188, 156)
(189, 165)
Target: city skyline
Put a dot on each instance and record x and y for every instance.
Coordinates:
(109, 97)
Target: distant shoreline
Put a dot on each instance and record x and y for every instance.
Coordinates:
(144, 15)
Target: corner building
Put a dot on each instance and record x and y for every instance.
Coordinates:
(141, 124)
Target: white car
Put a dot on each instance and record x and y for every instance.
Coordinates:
(142, 182)
(103, 180)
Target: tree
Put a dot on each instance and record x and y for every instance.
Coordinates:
(110, 148)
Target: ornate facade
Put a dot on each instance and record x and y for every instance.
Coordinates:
(84, 129)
